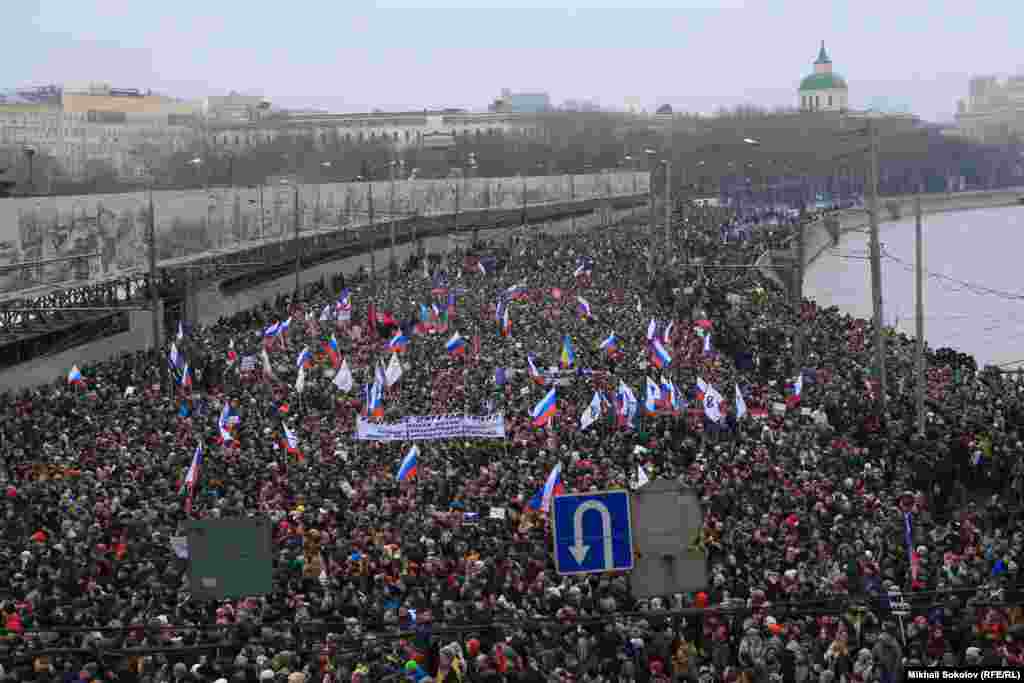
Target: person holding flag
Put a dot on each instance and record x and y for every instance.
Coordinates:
(568, 358)
(185, 381)
(712, 401)
(659, 355)
(305, 359)
(553, 486)
(797, 388)
(653, 400)
(583, 308)
(505, 320)
(741, 405)
(188, 485)
(593, 412)
(344, 380)
(535, 374)
(393, 373)
(407, 468)
(291, 443)
(333, 352)
(456, 346)
(398, 343)
(627, 404)
(545, 409)
(174, 358)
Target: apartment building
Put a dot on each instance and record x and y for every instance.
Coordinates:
(122, 127)
(401, 129)
(993, 110)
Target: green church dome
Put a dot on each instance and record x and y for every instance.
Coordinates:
(824, 81)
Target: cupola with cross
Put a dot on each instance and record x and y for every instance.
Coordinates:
(823, 90)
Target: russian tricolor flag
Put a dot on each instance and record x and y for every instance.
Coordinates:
(74, 375)
(545, 409)
(186, 377)
(398, 342)
(798, 388)
(552, 487)
(609, 345)
(506, 321)
(272, 330)
(304, 359)
(407, 469)
(332, 350)
(659, 356)
(456, 345)
(192, 477)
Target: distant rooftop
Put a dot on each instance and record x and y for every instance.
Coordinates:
(48, 94)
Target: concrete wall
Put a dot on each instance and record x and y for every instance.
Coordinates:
(194, 221)
(211, 304)
(48, 369)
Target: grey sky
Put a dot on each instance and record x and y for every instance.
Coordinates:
(347, 55)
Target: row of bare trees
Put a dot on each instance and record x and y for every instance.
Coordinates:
(708, 155)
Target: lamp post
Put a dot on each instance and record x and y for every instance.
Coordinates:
(319, 185)
(30, 152)
(412, 202)
(196, 163)
(295, 237)
(650, 209)
(391, 224)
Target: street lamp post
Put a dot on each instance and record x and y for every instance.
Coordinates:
(295, 235)
(30, 152)
(319, 186)
(668, 204)
(391, 225)
(651, 215)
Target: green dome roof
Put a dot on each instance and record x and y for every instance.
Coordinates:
(825, 81)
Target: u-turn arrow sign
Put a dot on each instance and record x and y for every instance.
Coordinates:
(593, 532)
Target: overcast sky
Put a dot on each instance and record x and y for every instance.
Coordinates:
(349, 55)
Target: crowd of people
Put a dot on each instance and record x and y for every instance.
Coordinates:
(842, 542)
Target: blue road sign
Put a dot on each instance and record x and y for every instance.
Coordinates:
(593, 532)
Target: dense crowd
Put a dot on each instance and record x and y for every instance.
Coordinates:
(842, 544)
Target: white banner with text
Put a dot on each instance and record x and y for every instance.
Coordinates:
(432, 428)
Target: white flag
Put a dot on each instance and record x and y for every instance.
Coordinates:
(343, 380)
(593, 411)
(300, 381)
(268, 370)
(641, 477)
(712, 401)
(741, 405)
(653, 397)
(393, 372)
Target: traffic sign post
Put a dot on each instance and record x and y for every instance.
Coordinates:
(593, 532)
(669, 541)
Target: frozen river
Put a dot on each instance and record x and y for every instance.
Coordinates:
(974, 286)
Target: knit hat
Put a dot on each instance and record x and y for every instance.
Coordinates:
(267, 675)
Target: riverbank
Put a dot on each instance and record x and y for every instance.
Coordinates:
(819, 235)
